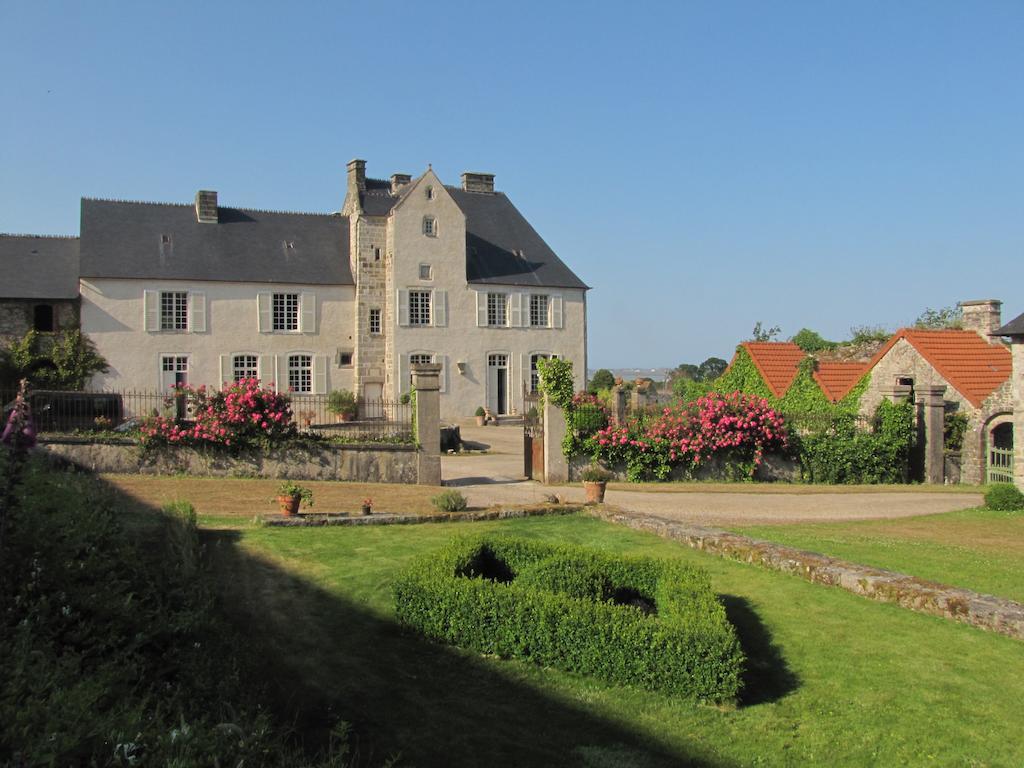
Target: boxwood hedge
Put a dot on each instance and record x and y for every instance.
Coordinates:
(640, 621)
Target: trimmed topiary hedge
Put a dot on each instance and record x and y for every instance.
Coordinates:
(1004, 497)
(641, 621)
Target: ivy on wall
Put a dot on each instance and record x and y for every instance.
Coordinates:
(743, 376)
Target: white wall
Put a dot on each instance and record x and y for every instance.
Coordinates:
(112, 316)
(460, 338)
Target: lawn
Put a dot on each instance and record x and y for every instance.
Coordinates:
(833, 679)
(974, 548)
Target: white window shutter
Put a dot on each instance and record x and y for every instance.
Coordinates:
(481, 309)
(151, 311)
(226, 370)
(197, 312)
(267, 370)
(402, 299)
(320, 374)
(444, 373)
(307, 312)
(440, 308)
(403, 374)
(556, 311)
(515, 310)
(263, 307)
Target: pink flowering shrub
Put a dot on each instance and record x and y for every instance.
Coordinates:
(241, 414)
(737, 427)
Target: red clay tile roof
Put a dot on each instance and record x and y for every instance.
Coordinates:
(836, 378)
(776, 361)
(971, 365)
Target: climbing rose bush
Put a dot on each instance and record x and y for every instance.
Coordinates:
(737, 426)
(241, 414)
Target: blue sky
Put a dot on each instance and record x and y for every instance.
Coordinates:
(702, 165)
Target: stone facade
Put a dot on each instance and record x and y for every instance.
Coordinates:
(17, 316)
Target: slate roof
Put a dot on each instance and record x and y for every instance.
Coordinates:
(776, 361)
(970, 364)
(1013, 328)
(164, 241)
(38, 267)
(377, 200)
(837, 378)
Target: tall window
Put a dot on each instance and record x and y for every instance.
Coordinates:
(534, 373)
(300, 373)
(374, 321)
(173, 311)
(285, 312)
(430, 226)
(419, 307)
(539, 310)
(244, 367)
(497, 309)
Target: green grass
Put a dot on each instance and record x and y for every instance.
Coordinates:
(834, 679)
(974, 548)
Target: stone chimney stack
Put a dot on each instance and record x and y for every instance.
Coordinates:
(478, 182)
(982, 317)
(356, 177)
(399, 180)
(206, 207)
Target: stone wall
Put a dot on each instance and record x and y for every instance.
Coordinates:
(17, 316)
(362, 463)
(774, 468)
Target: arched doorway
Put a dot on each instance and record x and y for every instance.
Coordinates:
(999, 464)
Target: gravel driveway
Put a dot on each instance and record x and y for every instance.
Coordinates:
(497, 478)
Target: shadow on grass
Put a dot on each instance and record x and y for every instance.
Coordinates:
(328, 659)
(768, 676)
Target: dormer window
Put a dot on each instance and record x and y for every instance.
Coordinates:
(430, 226)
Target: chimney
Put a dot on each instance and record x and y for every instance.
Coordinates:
(356, 177)
(982, 317)
(399, 180)
(478, 182)
(206, 206)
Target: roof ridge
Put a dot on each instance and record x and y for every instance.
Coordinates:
(225, 207)
(40, 237)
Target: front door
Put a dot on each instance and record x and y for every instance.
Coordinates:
(497, 383)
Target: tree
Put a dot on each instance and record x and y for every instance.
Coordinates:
(65, 360)
(939, 319)
(711, 369)
(602, 379)
(762, 334)
(686, 371)
(811, 341)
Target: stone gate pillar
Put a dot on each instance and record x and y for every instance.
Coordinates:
(426, 378)
(618, 405)
(556, 466)
(931, 409)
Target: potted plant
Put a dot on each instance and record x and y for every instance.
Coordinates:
(290, 495)
(367, 506)
(595, 481)
(342, 404)
(481, 414)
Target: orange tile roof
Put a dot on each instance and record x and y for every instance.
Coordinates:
(837, 378)
(971, 365)
(776, 361)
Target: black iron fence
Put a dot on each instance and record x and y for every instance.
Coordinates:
(60, 411)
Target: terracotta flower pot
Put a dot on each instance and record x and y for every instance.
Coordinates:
(289, 505)
(367, 509)
(479, 421)
(595, 491)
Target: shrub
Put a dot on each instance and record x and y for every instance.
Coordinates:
(595, 473)
(480, 411)
(1004, 497)
(449, 501)
(579, 610)
(342, 403)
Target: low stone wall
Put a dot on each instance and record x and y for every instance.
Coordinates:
(985, 611)
(774, 468)
(365, 463)
(316, 520)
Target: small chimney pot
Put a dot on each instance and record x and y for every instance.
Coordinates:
(478, 182)
(399, 180)
(983, 317)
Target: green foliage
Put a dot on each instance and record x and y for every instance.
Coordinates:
(844, 454)
(603, 379)
(938, 319)
(764, 334)
(556, 382)
(577, 609)
(449, 501)
(743, 376)
(686, 371)
(811, 341)
(595, 473)
(480, 411)
(861, 334)
(711, 369)
(342, 402)
(688, 390)
(1004, 497)
(296, 491)
(954, 427)
(65, 360)
(113, 650)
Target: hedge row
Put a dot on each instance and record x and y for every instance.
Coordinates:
(640, 621)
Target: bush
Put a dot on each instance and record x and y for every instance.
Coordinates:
(1004, 497)
(579, 610)
(595, 473)
(449, 501)
(342, 402)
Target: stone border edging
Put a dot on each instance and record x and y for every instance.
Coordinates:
(314, 519)
(995, 614)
